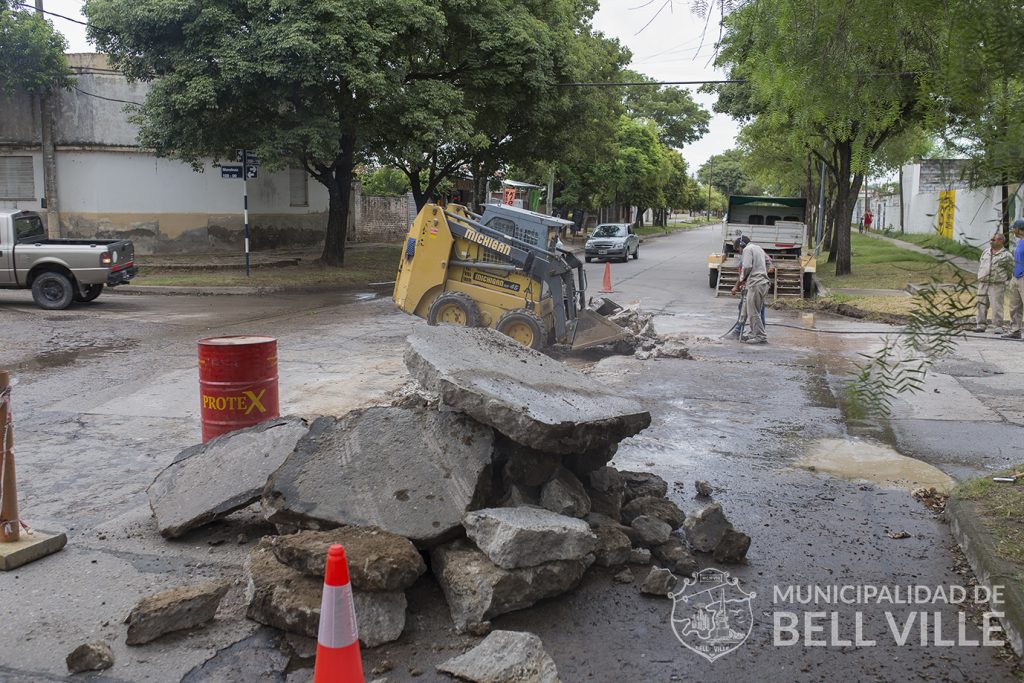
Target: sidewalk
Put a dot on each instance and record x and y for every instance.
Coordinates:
(960, 262)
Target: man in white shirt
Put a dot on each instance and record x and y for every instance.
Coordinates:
(754, 279)
(994, 270)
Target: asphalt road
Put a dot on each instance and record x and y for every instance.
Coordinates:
(107, 396)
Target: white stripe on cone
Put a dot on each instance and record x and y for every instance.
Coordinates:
(337, 617)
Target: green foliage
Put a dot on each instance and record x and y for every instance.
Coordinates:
(385, 181)
(728, 172)
(31, 53)
(680, 120)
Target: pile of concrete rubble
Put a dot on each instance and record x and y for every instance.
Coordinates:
(641, 338)
(494, 470)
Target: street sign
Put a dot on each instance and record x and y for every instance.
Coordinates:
(234, 172)
(250, 173)
(239, 155)
(251, 159)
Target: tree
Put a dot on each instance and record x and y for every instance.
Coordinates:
(321, 85)
(385, 181)
(850, 77)
(679, 119)
(641, 166)
(31, 53)
(727, 171)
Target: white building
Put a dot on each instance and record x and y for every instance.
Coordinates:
(108, 186)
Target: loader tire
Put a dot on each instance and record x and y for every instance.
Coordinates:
(454, 308)
(525, 327)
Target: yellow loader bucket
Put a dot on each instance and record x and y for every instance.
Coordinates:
(593, 329)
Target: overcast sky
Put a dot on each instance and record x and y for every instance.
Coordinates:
(668, 49)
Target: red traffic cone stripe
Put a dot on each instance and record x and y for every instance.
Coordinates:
(606, 286)
(337, 651)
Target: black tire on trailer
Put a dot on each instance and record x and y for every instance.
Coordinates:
(88, 293)
(524, 326)
(454, 308)
(713, 278)
(808, 285)
(53, 291)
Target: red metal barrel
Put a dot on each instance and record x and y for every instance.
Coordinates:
(237, 383)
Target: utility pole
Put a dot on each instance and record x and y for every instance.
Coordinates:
(551, 191)
(711, 168)
(821, 211)
(48, 149)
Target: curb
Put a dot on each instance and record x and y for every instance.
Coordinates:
(159, 290)
(980, 548)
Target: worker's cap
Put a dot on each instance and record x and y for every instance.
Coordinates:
(741, 242)
(1018, 224)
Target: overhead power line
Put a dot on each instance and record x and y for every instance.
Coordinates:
(612, 85)
(102, 97)
(60, 16)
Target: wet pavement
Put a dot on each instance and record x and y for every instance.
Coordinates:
(108, 395)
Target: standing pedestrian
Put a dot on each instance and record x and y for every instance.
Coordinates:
(1017, 283)
(867, 220)
(994, 271)
(755, 281)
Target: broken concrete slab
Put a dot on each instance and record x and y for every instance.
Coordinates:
(412, 472)
(504, 657)
(674, 554)
(705, 528)
(650, 531)
(529, 397)
(517, 495)
(526, 537)
(733, 547)
(565, 495)
(524, 465)
(377, 560)
(661, 508)
(625, 576)
(94, 656)
(641, 484)
(639, 556)
(613, 546)
(212, 480)
(582, 464)
(289, 600)
(477, 589)
(659, 581)
(260, 658)
(605, 488)
(176, 609)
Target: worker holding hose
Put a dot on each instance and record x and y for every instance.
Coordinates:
(754, 280)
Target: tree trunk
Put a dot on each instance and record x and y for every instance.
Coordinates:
(846, 195)
(338, 178)
(901, 198)
(1005, 209)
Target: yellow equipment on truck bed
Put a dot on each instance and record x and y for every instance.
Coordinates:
(500, 269)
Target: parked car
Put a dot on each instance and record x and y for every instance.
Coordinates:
(59, 272)
(612, 241)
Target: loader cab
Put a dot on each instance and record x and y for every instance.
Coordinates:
(535, 229)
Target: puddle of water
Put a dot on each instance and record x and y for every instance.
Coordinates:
(865, 461)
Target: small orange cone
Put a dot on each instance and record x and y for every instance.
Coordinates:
(337, 649)
(606, 286)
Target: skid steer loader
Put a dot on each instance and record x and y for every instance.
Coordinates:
(499, 269)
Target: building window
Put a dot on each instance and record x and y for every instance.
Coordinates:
(298, 187)
(17, 180)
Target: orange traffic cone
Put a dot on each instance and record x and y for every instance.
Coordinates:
(606, 286)
(337, 649)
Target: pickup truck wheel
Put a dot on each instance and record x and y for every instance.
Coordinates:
(53, 291)
(88, 293)
(636, 253)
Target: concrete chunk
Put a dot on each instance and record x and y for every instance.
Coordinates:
(732, 549)
(659, 581)
(174, 610)
(411, 472)
(212, 480)
(613, 546)
(529, 397)
(94, 656)
(661, 508)
(289, 600)
(565, 495)
(704, 530)
(476, 589)
(641, 484)
(504, 657)
(526, 537)
(377, 560)
(650, 531)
